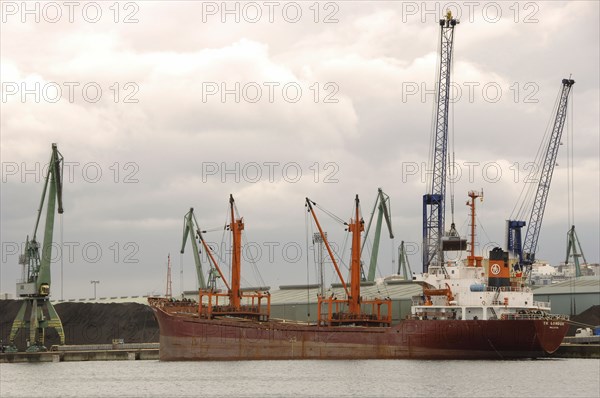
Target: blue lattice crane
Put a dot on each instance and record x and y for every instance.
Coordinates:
(525, 253)
(433, 202)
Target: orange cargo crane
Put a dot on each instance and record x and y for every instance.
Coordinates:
(354, 309)
(235, 302)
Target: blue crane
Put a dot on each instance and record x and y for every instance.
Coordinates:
(526, 252)
(433, 202)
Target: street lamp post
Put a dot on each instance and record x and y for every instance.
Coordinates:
(95, 283)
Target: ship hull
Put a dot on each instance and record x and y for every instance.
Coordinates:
(188, 337)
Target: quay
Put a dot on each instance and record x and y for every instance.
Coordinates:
(97, 352)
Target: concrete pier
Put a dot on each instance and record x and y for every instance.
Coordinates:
(71, 356)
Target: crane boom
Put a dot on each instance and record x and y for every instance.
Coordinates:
(539, 204)
(433, 202)
(403, 264)
(526, 252)
(190, 227)
(382, 203)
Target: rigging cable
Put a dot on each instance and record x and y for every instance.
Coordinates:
(60, 216)
(307, 266)
(451, 158)
(570, 167)
(524, 203)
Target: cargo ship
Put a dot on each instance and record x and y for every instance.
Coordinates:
(464, 312)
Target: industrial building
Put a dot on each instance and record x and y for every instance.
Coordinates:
(571, 297)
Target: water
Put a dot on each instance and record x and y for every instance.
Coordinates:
(377, 378)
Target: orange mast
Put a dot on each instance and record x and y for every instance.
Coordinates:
(355, 228)
(473, 260)
(236, 227)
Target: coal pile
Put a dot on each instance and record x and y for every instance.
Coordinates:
(89, 323)
(590, 317)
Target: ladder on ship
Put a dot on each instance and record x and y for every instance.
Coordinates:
(495, 301)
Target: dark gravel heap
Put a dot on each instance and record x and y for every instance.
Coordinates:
(89, 323)
(591, 317)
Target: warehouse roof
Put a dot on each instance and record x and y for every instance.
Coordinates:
(583, 284)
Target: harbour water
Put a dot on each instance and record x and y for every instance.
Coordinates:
(376, 378)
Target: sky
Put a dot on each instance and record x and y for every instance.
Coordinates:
(158, 107)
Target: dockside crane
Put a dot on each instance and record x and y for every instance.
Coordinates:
(382, 206)
(191, 229)
(403, 264)
(525, 253)
(434, 201)
(37, 312)
(574, 250)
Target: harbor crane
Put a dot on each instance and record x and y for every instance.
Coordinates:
(434, 201)
(525, 253)
(574, 250)
(403, 264)
(37, 312)
(190, 227)
(382, 205)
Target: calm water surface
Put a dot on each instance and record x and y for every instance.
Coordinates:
(377, 378)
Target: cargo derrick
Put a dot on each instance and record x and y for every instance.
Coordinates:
(525, 253)
(472, 259)
(235, 302)
(434, 201)
(35, 288)
(334, 311)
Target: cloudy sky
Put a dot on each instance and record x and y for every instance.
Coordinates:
(159, 106)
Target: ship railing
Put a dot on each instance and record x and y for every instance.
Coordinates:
(534, 315)
(255, 307)
(545, 304)
(524, 289)
(175, 306)
(334, 311)
(436, 315)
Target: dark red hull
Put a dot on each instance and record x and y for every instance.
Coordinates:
(188, 337)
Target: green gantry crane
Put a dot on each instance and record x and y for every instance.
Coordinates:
(37, 313)
(382, 203)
